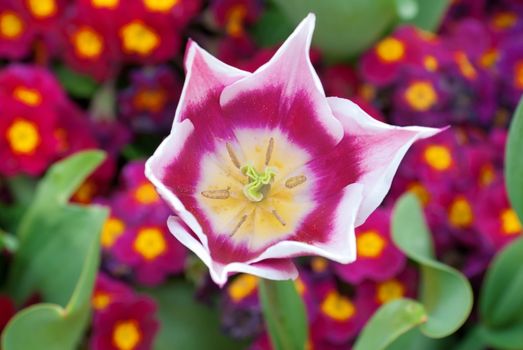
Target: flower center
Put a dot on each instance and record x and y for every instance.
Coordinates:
(420, 192)
(510, 223)
(338, 307)
(42, 8)
(390, 50)
(438, 157)
(421, 96)
(518, 74)
(28, 96)
(430, 63)
(460, 213)
(390, 290)
(504, 20)
(86, 192)
(152, 100)
(486, 175)
(150, 243)
(87, 43)
(242, 286)
(370, 244)
(139, 38)
(11, 25)
(160, 5)
(259, 183)
(23, 136)
(126, 335)
(146, 194)
(113, 228)
(235, 17)
(111, 4)
(465, 66)
(101, 300)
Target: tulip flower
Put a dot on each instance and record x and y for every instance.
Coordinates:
(262, 167)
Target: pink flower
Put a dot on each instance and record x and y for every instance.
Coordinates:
(262, 167)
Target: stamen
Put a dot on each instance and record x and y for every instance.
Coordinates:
(268, 154)
(278, 217)
(242, 220)
(295, 181)
(232, 155)
(217, 194)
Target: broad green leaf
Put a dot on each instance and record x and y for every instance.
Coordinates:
(445, 293)
(428, 13)
(514, 163)
(77, 84)
(415, 340)
(407, 9)
(344, 28)
(280, 27)
(8, 242)
(284, 314)
(509, 338)
(389, 322)
(187, 324)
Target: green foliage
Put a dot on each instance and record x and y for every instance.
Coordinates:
(513, 161)
(57, 257)
(187, 324)
(284, 314)
(425, 14)
(77, 84)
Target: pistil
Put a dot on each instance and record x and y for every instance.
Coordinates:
(258, 182)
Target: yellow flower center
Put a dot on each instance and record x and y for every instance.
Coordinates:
(112, 230)
(235, 17)
(430, 63)
(370, 244)
(152, 100)
(420, 192)
(126, 335)
(42, 8)
(465, 66)
(85, 193)
(110, 4)
(300, 286)
(101, 300)
(367, 91)
(150, 243)
(242, 286)
(30, 97)
(23, 136)
(510, 223)
(160, 5)
(390, 50)
(146, 194)
(11, 25)
(438, 157)
(87, 43)
(319, 264)
(486, 175)
(138, 38)
(504, 20)
(489, 58)
(460, 213)
(338, 307)
(389, 290)
(518, 74)
(421, 96)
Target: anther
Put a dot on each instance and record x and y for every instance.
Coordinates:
(217, 194)
(268, 154)
(279, 218)
(242, 220)
(295, 181)
(232, 155)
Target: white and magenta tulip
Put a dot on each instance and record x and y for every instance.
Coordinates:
(263, 167)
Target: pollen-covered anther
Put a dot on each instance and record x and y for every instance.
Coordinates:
(295, 181)
(217, 194)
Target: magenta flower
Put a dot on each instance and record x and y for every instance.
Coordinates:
(262, 167)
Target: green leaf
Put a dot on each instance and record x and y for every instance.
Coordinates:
(187, 324)
(344, 28)
(279, 25)
(509, 338)
(415, 340)
(428, 14)
(389, 322)
(77, 84)
(514, 164)
(445, 293)
(284, 314)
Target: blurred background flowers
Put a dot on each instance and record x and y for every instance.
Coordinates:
(107, 74)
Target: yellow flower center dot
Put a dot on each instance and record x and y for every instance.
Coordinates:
(518, 74)
(465, 66)
(504, 20)
(85, 193)
(28, 96)
(42, 8)
(420, 192)
(160, 5)
(438, 157)
(489, 58)
(390, 50)
(486, 175)
(87, 43)
(235, 17)
(146, 194)
(430, 63)
(319, 264)
(110, 4)
(138, 38)
(242, 286)
(152, 100)
(421, 96)
(389, 290)
(370, 244)
(11, 25)
(460, 213)
(338, 307)
(113, 228)
(126, 335)
(100, 300)
(23, 136)
(510, 223)
(300, 286)
(150, 243)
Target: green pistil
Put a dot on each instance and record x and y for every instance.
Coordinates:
(258, 182)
